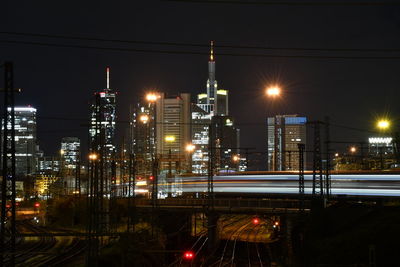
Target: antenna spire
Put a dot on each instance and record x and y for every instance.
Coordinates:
(212, 51)
(108, 77)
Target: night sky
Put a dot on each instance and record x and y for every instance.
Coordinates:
(59, 81)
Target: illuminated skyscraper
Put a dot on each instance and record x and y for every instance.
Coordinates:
(25, 140)
(284, 132)
(173, 121)
(212, 104)
(143, 136)
(103, 117)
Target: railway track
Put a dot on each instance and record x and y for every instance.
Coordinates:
(44, 250)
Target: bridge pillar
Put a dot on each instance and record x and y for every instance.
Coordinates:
(212, 229)
(287, 225)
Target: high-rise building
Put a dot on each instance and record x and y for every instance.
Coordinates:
(25, 141)
(201, 120)
(103, 118)
(226, 140)
(143, 136)
(70, 152)
(284, 133)
(173, 130)
(213, 103)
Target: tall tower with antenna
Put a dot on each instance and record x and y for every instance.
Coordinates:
(106, 106)
(212, 85)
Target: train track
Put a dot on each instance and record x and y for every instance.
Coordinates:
(44, 250)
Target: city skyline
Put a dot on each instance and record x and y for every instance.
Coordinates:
(313, 87)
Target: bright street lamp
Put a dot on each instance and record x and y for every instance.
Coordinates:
(235, 158)
(353, 149)
(383, 124)
(152, 97)
(273, 91)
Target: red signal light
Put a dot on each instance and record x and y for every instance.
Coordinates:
(256, 221)
(37, 205)
(151, 177)
(188, 255)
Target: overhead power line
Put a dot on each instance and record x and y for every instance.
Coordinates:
(156, 51)
(292, 3)
(191, 123)
(230, 46)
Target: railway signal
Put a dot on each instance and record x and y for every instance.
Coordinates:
(256, 221)
(188, 255)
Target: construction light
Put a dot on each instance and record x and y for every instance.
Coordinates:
(188, 255)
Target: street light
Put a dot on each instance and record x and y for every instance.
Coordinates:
(383, 124)
(353, 149)
(152, 97)
(273, 91)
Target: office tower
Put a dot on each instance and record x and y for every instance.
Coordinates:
(103, 117)
(284, 133)
(143, 136)
(173, 130)
(25, 141)
(70, 153)
(213, 103)
(201, 120)
(226, 141)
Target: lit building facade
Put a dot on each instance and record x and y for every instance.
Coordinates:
(70, 152)
(48, 165)
(25, 141)
(380, 145)
(284, 133)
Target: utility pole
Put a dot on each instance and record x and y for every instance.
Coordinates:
(317, 189)
(301, 175)
(328, 158)
(7, 238)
